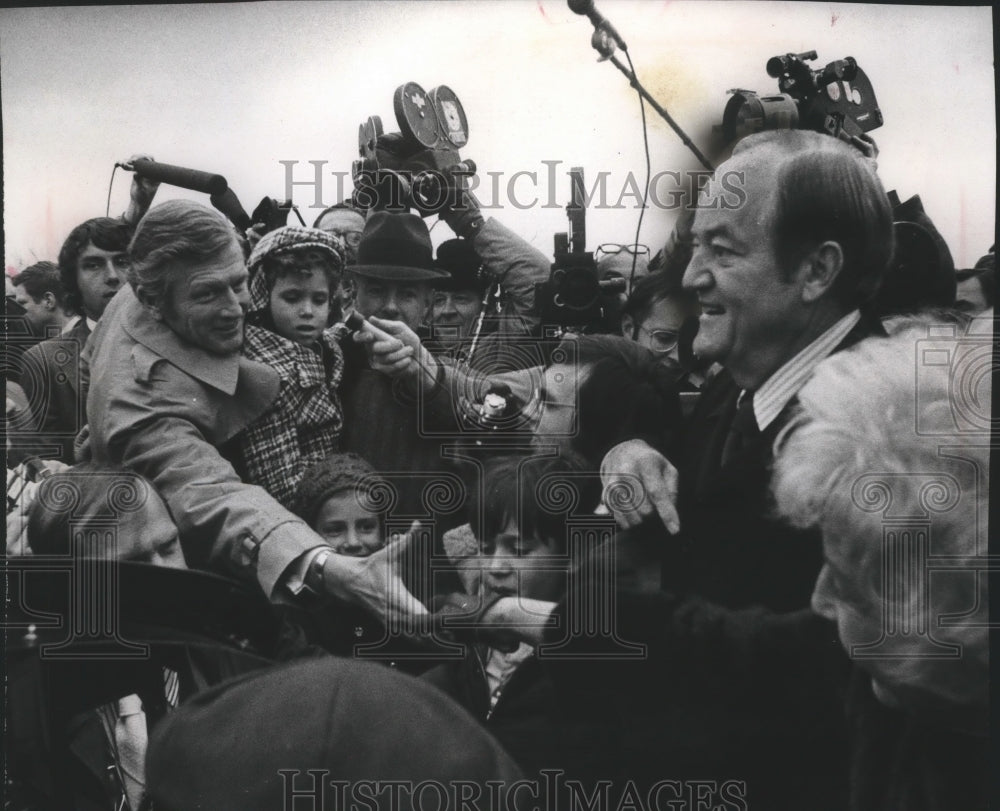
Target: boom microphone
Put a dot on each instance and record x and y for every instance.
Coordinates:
(600, 22)
(179, 176)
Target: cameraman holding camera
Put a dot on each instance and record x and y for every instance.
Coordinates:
(486, 256)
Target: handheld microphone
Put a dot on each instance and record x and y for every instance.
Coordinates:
(599, 21)
(179, 176)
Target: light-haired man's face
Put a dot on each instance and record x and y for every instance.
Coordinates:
(208, 302)
(150, 535)
(910, 673)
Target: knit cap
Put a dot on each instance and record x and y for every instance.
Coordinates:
(335, 474)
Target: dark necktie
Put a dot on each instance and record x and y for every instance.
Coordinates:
(742, 430)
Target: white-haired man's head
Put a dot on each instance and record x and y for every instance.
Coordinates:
(882, 460)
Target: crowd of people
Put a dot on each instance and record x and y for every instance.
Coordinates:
(727, 553)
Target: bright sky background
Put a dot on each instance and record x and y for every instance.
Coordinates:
(235, 88)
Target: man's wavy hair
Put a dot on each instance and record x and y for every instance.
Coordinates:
(174, 233)
(104, 233)
(86, 494)
(828, 192)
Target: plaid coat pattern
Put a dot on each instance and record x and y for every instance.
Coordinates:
(303, 424)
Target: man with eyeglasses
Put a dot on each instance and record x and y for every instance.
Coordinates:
(662, 316)
(654, 314)
(348, 223)
(628, 262)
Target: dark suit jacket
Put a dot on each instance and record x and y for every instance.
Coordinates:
(50, 377)
(731, 550)
(742, 682)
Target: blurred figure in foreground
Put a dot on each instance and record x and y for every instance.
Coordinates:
(864, 453)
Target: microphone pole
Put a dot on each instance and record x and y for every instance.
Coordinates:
(632, 80)
(605, 40)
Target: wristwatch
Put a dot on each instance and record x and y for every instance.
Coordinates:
(314, 574)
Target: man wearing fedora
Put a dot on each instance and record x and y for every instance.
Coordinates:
(392, 280)
(395, 278)
(394, 269)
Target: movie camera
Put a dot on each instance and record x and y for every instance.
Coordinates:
(837, 99)
(413, 168)
(573, 297)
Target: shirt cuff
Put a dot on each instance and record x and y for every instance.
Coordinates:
(295, 576)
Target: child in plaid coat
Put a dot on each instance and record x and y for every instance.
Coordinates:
(295, 280)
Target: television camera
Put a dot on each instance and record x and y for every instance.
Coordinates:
(573, 297)
(837, 99)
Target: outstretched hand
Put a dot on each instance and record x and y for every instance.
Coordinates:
(374, 583)
(396, 350)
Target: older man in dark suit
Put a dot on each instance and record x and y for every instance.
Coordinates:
(791, 238)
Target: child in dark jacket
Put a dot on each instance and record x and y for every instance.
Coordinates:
(523, 520)
(344, 500)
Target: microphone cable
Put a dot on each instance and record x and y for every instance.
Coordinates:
(645, 188)
(107, 208)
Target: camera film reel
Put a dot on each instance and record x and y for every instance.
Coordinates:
(415, 115)
(435, 120)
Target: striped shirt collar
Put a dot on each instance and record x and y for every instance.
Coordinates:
(70, 324)
(776, 392)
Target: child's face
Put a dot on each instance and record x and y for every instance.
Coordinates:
(514, 565)
(300, 306)
(348, 527)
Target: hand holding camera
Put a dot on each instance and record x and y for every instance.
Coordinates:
(419, 166)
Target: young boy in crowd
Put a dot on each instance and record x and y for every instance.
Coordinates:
(294, 293)
(521, 518)
(340, 499)
(343, 499)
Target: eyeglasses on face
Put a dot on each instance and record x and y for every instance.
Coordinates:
(661, 341)
(351, 238)
(612, 248)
